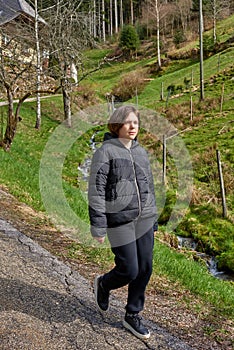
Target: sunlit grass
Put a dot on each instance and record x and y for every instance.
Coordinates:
(19, 170)
(195, 277)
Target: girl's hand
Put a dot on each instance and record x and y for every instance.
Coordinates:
(100, 239)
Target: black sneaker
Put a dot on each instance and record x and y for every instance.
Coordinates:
(101, 296)
(133, 323)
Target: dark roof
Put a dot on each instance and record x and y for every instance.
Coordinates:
(11, 9)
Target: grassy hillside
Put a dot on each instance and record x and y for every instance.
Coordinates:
(208, 129)
(208, 126)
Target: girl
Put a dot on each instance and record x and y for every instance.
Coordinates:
(122, 205)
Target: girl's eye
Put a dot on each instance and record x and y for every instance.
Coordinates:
(134, 123)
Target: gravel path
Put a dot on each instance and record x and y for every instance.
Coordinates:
(46, 305)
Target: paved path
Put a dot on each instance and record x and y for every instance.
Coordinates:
(30, 99)
(44, 305)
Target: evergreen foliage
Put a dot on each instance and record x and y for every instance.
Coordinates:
(129, 38)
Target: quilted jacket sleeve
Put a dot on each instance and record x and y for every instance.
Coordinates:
(97, 194)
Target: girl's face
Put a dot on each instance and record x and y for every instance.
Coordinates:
(130, 128)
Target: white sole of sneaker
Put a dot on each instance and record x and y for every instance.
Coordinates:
(95, 294)
(132, 330)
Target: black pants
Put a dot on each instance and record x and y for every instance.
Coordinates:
(133, 266)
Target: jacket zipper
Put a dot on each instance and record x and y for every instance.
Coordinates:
(137, 188)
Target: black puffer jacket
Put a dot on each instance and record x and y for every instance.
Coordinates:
(121, 186)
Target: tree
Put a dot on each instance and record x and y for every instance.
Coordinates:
(129, 39)
(17, 68)
(38, 67)
(68, 35)
(214, 8)
(111, 17)
(154, 8)
(184, 8)
(132, 12)
(103, 21)
(116, 17)
(201, 29)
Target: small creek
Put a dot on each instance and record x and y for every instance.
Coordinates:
(183, 243)
(211, 262)
(85, 166)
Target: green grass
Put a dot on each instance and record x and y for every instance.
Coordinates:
(151, 94)
(194, 276)
(19, 170)
(179, 268)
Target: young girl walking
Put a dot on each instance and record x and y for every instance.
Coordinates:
(122, 206)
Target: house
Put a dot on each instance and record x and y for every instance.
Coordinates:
(17, 22)
(16, 19)
(16, 10)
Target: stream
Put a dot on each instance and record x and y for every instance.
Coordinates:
(183, 242)
(211, 262)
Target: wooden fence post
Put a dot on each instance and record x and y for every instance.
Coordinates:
(221, 101)
(2, 126)
(221, 184)
(219, 62)
(191, 108)
(164, 159)
(192, 78)
(162, 93)
(168, 96)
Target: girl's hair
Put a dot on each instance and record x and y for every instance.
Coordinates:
(119, 116)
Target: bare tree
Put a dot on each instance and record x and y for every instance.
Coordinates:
(184, 8)
(154, 8)
(17, 70)
(94, 19)
(38, 67)
(132, 12)
(111, 17)
(116, 16)
(215, 8)
(201, 29)
(103, 21)
(121, 14)
(68, 35)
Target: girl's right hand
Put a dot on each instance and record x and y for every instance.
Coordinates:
(100, 239)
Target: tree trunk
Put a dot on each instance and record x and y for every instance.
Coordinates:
(121, 14)
(66, 101)
(103, 21)
(158, 33)
(214, 22)
(116, 18)
(111, 18)
(132, 12)
(12, 119)
(11, 123)
(38, 69)
(201, 28)
(94, 19)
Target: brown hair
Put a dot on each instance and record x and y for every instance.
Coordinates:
(117, 119)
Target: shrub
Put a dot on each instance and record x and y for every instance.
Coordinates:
(171, 89)
(129, 39)
(141, 31)
(129, 84)
(84, 96)
(208, 45)
(179, 38)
